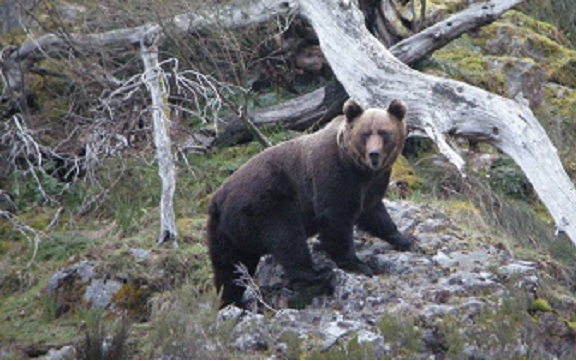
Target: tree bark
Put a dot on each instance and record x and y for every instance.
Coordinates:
(321, 105)
(441, 107)
(155, 85)
(422, 44)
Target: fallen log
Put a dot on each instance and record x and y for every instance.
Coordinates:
(301, 113)
(443, 108)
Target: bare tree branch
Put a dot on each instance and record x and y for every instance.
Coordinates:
(15, 62)
(32, 235)
(422, 44)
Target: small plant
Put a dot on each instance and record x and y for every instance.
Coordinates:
(102, 344)
(293, 345)
(402, 335)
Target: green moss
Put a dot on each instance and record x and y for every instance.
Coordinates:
(541, 305)
(448, 6)
(564, 71)
(540, 27)
(405, 179)
(558, 116)
(467, 64)
(134, 300)
(560, 101)
(511, 36)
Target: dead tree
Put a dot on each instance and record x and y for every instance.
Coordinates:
(443, 108)
(157, 88)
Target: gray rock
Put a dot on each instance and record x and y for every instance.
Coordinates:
(140, 254)
(332, 331)
(62, 353)
(83, 271)
(520, 268)
(252, 333)
(100, 292)
(443, 260)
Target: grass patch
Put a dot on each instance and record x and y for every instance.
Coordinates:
(205, 173)
(27, 322)
(184, 327)
(505, 328)
(62, 246)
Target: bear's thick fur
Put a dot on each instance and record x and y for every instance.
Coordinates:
(323, 183)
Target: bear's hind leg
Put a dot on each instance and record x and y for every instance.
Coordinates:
(225, 258)
(228, 279)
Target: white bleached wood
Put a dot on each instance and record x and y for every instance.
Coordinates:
(442, 107)
(305, 110)
(156, 87)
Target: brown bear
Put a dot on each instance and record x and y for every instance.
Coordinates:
(323, 183)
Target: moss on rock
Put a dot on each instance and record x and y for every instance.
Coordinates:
(518, 35)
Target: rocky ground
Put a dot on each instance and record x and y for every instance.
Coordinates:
(460, 294)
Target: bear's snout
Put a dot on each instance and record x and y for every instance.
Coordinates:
(374, 157)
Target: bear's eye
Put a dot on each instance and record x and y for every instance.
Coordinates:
(364, 136)
(385, 135)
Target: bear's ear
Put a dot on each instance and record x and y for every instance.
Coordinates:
(397, 109)
(352, 110)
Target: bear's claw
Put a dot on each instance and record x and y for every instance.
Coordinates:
(402, 242)
(356, 266)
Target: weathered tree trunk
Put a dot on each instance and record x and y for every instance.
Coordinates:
(321, 105)
(155, 84)
(442, 107)
(301, 113)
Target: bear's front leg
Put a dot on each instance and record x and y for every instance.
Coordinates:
(336, 237)
(287, 241)
(378, 223)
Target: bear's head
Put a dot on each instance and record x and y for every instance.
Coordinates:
(373, 138)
